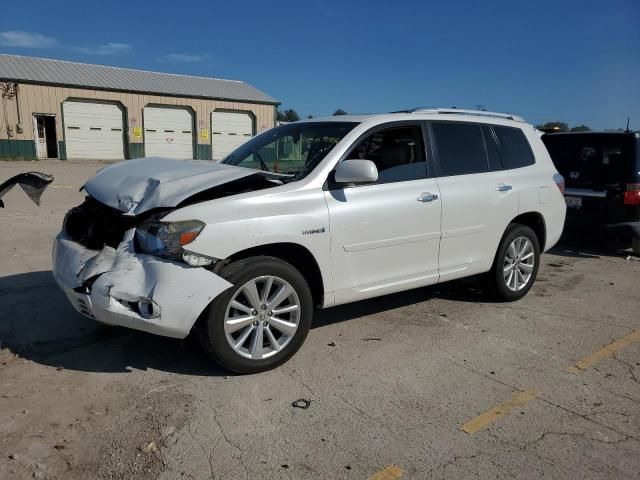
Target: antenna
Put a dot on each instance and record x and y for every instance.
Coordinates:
(627, 130)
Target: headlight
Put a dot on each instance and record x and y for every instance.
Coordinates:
(166, 239)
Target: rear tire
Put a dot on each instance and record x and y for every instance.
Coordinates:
(260, 322)
(635, 246)
(516, 264)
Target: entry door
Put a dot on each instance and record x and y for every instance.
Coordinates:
(385, 236)
(474, 217)
(478, 201)
(40, 135)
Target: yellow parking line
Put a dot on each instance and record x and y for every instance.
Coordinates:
(478, 423)
(610, 349)
(390, 472)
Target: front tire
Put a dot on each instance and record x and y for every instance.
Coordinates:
(635, 246)
(262, 320)
(516, 264)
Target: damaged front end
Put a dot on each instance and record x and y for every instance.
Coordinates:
(106, 275)
(120, 264)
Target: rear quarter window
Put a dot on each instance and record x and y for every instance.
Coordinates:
(516, 152)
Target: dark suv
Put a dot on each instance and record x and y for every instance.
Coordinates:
(602, 174)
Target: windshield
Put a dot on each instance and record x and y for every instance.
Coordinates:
(291, 151)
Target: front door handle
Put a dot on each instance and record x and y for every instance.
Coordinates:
(503, 187)
(427, 197)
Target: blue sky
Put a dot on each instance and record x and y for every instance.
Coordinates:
(575, 61)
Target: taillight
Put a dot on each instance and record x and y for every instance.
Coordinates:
(632, 195)
(559, 179)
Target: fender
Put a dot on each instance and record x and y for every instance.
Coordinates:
(254, 219)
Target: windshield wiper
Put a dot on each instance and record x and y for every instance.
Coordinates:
(263, 165)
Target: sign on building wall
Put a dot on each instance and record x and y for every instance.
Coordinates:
(137, 131)
(204, 131)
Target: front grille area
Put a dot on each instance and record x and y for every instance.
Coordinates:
(94, 225)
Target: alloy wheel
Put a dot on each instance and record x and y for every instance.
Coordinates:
(519, 262)
(262, 317)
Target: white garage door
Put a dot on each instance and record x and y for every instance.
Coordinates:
(229, 130)
(93, 130)
(168, 132)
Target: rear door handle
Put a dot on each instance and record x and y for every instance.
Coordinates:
(427, 197)
(503, 187)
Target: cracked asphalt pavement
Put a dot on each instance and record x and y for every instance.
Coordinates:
(390, 381)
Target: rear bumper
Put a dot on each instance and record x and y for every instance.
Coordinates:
(555, 220)
(604, 212)
(108, 286)
(585, 222)
(625, 228)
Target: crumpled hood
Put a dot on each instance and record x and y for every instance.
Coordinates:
(135, 186)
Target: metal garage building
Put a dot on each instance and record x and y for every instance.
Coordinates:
(58, 109)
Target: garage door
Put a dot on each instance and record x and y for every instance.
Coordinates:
(93, 130)
(229, 130)
(168, 132)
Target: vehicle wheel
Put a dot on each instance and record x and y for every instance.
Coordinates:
(262, 320)
(516, 264)
(635, 246)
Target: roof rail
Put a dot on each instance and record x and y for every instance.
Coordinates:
(461, 111)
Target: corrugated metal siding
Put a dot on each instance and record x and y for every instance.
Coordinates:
(48, 99)
(57, 72)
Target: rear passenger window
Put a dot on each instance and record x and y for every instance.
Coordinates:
(516, 152)
(493, 153)
(460, 148)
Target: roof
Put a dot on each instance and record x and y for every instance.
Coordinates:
(21, 69)
(464, 111)
(358, 118)
(427, 114)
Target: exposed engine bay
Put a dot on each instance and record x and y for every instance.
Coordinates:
(95, 225)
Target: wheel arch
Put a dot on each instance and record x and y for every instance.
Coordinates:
(535, 221)
(293, 253)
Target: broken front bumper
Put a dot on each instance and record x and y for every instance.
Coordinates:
(122, 287)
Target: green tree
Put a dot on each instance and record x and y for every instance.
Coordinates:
(288, 115)
(339, 112)
(580, 128)
(553, 127)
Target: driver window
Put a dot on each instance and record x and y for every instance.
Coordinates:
(398, 153)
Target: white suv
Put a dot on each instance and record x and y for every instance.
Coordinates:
(310, 214)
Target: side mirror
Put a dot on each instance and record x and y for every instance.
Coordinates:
(356, 171)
